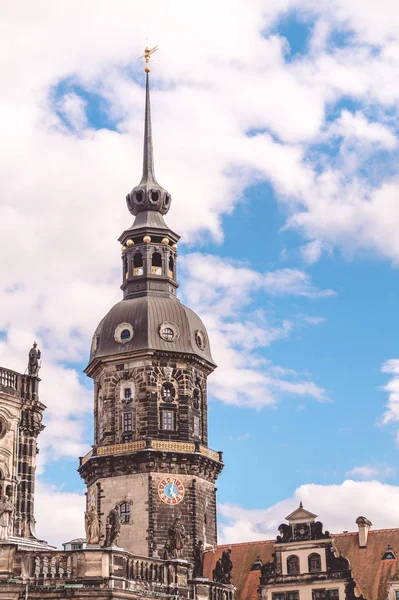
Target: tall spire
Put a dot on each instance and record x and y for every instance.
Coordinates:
(148, 195)
(148, 151)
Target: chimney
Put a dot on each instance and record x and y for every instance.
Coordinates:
(363, 525)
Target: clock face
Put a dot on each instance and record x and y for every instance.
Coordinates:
(171, 490)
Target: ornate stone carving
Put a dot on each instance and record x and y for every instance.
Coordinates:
(6, 512)
(268, 570)
(92, 525)
(198, 570)
(285, 532)
(34, 360)
(113, 527)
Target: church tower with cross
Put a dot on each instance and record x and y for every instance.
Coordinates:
(150, 359)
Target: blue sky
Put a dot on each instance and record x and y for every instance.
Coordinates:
(281, 155)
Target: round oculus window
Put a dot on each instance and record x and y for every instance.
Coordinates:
(200, 339)
(123, 333)
(169, 331)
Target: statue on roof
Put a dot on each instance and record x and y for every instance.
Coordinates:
(113, 527)
(34, 360)
(198, 570)
(176, 538)
(92, 526)
(224, 566)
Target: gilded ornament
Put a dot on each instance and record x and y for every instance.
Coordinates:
(130, 243)
(146, 239)
(174, 247)
(165, 241)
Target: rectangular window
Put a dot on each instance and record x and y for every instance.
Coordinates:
(196, 427)
(324, 594)
(292, 595)
(279, 596)
(125, 512)
(168, 420)
(127, 422)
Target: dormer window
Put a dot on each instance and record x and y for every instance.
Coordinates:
(156, 264)
(293, 565)
(314, 563)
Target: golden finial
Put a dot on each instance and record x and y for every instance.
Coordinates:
(147, 56)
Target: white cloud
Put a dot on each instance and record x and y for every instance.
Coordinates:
(72, 107)
(338, 507)
(374, 471)
(356, 128)
(222, 292)
(67, 514)
(391, 413)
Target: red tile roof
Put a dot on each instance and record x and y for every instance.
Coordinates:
(370, 572)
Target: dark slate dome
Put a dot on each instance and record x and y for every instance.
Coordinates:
(150, 323)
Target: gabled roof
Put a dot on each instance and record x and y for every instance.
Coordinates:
(301, 515)
(370, 570)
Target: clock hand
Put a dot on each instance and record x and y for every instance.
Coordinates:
(172, 493)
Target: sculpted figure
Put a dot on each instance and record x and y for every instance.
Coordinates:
(92, 525)
(217, 573)
(227, 566)
(113, 527)
(198, 570)
(34, 358)
(6, 510)
(285, 532)
(177, 537)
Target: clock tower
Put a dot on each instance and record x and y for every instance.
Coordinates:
(150, 359)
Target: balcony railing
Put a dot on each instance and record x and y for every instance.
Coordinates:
(162, 445)
(10, 379)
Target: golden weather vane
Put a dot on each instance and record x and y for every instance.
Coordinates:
(147, 56)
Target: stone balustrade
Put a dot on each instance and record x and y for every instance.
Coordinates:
(94, 568)
(10, 379)
(17, 384)
(141, 445)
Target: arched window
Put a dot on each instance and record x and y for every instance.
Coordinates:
(293, 565)
(171, 271)
(138, 264)
(156, 264)
(124, 510)
(314, 563)
(125, 273)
